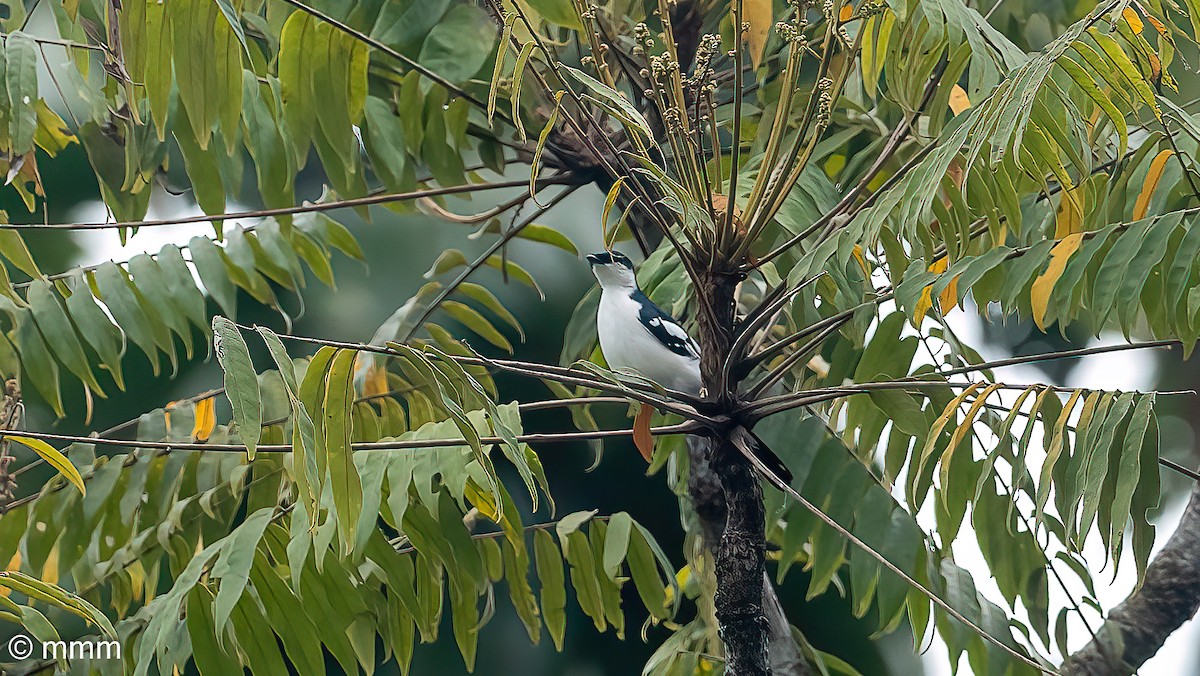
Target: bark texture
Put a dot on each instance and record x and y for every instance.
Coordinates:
(1168, 597)
(708, 500)
(740, 565)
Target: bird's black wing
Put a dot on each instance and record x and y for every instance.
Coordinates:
(664, 328)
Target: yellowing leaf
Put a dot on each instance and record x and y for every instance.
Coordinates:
(1160, 28)
(206, 419)
(923, 304)
(1157, 165)
(760, 15)
(862, 261)
(959, 101)
(53, 457)
(949, 297)
(1039, 294)
(846, 13)
(1134, 21)
(13, 564)
(52, 134)
(1070, 213)
(50, 568)
(641, 432)
(375, 378)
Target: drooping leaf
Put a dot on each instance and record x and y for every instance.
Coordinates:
(241, 382)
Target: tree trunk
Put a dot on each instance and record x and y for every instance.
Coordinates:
(739, 555)
(1168, 597)
(708, 500)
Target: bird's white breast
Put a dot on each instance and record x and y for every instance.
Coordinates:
(629, 346)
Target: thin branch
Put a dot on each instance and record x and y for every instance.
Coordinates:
(68, 44)
(1061, 354)
(395, 445)
(769, 406)
(543, 372)
(497, 534)
(445, 292)
(386, 198)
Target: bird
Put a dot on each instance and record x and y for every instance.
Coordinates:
(639, 338)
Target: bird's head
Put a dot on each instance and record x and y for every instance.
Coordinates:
(613, 269)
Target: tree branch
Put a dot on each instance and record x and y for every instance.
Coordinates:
(394, 445)
(386, 198)
(1168, 597)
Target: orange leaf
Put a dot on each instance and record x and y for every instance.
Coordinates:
(1134, 21)
(846, 13)
(206, 419)
(959, 101)
(1157, 165)
(1070, 213)
(641, 432)
(949, 298)
(1039, 293)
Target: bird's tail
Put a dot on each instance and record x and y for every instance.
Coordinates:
(762, 457)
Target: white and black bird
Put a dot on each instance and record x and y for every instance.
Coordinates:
(638, 337)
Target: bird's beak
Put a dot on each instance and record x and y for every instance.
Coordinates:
(593, 259)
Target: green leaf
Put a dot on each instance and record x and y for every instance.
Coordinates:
(616, 543)
(553, 585)
(53, 457)
(241, 382)
(60, 334)
(404, 22)
(613, 101)
(459, 44)
(256, 638)
(151, 281)
(471, 318)
(1129, 470)
(21, 84)
(203, 169)
(297, 47)
(267, 142)
(37, 366)
(304, 432)
(182, 286)
(211, 266)
(12, 247)
(211, 659)
(561, 12)
(489, 300)
(58, 597)
(235, 24)
(339, 73)
(233, 563)
(97, 329)
(646, 576)
(514, 271)
(343, 475)
(516, 572)
(208, 70)
(383, 137)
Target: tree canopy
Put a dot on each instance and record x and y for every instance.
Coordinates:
(814, 187)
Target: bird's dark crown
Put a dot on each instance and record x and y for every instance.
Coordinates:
(610, 258)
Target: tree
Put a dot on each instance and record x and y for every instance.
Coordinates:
(814, 186)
